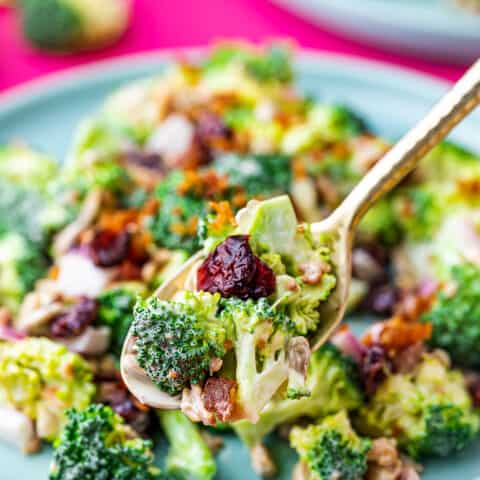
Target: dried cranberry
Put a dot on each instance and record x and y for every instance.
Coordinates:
(234, 271)
(142, 158)
(382, 299)
(210, 127)
(117, 396)
(76, 320)
(374, 368)
(109, 248)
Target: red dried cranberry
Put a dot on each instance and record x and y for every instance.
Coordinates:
(374, 368)
(117, 396)
(382, 299)
(76, 320)
(211, 127)
(145, 159)
(234, 271)
(109, 248)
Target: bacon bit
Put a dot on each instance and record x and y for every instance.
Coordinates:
(117, 220)
(224, 215)
(415, 303)
(184, 229)
(219, 397)
(469, 187)
(298, 168)
(128, 271)
(203, 184)
(53, 272)
(239, 199)
(397, 334)
(172, 374)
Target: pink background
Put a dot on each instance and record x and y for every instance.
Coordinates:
(169, 23)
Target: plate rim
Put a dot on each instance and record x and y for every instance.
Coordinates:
(367, 9)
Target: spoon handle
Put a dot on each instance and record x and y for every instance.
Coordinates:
(404, 156)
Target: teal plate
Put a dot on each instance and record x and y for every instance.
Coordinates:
(436, 29)
(45, 114)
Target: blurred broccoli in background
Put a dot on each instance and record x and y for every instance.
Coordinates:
(272, 64)
(331, 449)
(70, 25)
(260, 175)
(428, 411)
(42, 379)
(96, 445)
(189, 456)
(115, 310)
(27, 168)
(21, 265)
(455, 317)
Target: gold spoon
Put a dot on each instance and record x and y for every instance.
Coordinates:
(340, 224)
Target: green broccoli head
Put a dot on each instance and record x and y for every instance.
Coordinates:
(42, 379)
(455, 317)
(176, 340)
(331, 449)
(334, 384)
(68, 25)
(26, 168)
(268, 65)
(115, 310)
(429, 411)
(96, 444)
(21, 265)
(448, 162)
(260, 175)
(175, 224)
(189, 456)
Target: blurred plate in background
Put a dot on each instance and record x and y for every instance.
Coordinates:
(46, 112)
(435, 29)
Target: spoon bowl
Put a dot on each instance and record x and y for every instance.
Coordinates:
(339, 226)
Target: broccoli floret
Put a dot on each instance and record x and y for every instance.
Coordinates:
(324, 124)
(428, 411)
(175, 224)
(26, 168)
(21, 265)
(68, 25)
(271, 64)
(42, 379)
(189, 455)
(331, 449)
(334, 384)
(455, 317)
(96, 445)
(259, 175)
(115, 310)
(448, 162)
(176, 340)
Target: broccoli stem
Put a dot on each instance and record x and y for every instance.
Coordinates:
(189, 455)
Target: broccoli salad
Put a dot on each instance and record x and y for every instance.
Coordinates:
(225, 159)
(243, 327)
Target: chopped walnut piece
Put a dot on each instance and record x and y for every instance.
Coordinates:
(262, 462)
(193, 407)
(313, 271)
